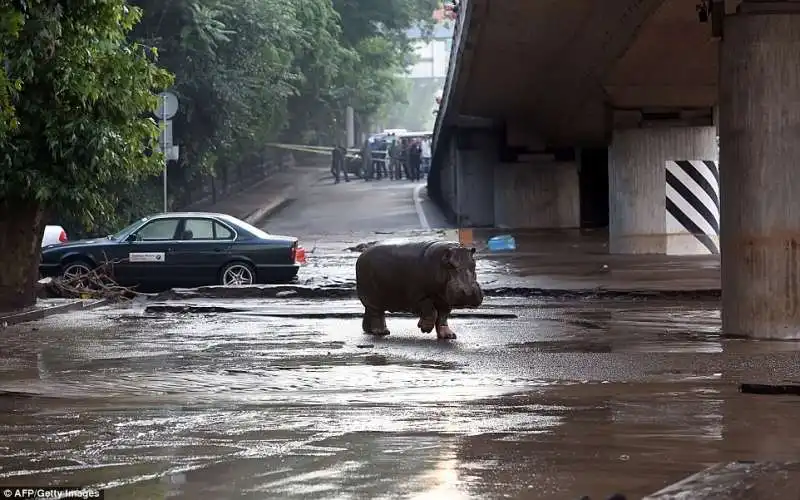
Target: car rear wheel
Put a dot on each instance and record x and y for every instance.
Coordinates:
(237, 274)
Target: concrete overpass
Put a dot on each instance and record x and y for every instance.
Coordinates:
(568, 113)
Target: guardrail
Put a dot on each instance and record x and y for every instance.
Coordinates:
(459, 35)
(311, 149)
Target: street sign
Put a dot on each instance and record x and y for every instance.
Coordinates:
(167, 105)
(165, 136)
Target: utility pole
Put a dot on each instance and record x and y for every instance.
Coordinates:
(167, 108)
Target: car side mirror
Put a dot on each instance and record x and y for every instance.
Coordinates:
(132, 237)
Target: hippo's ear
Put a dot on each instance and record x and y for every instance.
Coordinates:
(447, 257)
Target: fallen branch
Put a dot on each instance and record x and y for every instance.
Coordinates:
(99, 283)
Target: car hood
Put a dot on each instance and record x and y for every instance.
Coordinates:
(78, 243)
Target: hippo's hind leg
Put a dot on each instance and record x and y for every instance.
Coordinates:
(443, 331)
(374, 322)
(427, 316)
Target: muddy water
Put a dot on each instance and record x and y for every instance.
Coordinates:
(566, 260)
(566, 400)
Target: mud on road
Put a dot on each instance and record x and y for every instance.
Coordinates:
(287, 399)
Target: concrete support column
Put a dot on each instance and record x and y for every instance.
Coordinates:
(476, 158)
(537, 195)
(637, 162)
(760, 156)
(446, 179)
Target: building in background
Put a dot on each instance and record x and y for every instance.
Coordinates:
(432, 57)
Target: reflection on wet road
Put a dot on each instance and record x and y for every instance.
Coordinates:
(565, 400)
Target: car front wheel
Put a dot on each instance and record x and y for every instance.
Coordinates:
(76, 273)
(237, 274)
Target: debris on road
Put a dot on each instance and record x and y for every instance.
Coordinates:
(362, 246)
(98, 283)
(347, 289)
(775, 389)
(187, 309)
(216, 309)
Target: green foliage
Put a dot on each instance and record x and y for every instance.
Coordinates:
(246, 73)
(376, 31)
(81, 97)
(250, 72)
(11, 21)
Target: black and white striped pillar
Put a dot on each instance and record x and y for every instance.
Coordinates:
(636, 160)
(692, 207)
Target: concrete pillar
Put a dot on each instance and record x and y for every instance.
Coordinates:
(760, 156)
(637, 162)
(543, 195)
(476, 159)
(446, 180)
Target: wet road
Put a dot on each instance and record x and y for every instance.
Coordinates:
(277, 401)
(348, 210)
(286, 398)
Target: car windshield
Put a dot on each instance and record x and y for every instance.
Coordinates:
(120, 234)
(249, 228)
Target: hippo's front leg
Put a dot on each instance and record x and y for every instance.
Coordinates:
(443, 331)
(427, 316)
(374, 322)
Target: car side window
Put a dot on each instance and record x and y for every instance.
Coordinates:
(198, 229)
(221, 232)
(158, 230)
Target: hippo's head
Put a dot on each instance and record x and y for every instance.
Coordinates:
(461, 288)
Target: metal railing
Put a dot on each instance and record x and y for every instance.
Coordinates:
(459, 36)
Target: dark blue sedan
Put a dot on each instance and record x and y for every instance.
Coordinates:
(186, 249)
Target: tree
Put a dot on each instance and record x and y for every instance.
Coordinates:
(82, 103)
(232, 61)
(375, 53)
(74, 134)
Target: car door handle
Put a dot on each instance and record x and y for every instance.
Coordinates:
(217, 249)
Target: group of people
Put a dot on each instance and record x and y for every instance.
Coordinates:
(384, 156)
(393, 158)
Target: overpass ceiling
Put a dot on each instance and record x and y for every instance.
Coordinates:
(672, 62)
(554, 64)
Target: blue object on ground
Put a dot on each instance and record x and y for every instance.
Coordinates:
(502, 243)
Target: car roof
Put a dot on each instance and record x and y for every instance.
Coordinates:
(190, 214)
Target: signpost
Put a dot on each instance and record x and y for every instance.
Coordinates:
(167, 107)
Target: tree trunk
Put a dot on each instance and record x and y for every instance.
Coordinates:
(21, 226)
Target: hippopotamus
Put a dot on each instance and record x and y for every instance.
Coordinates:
(428, 279)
